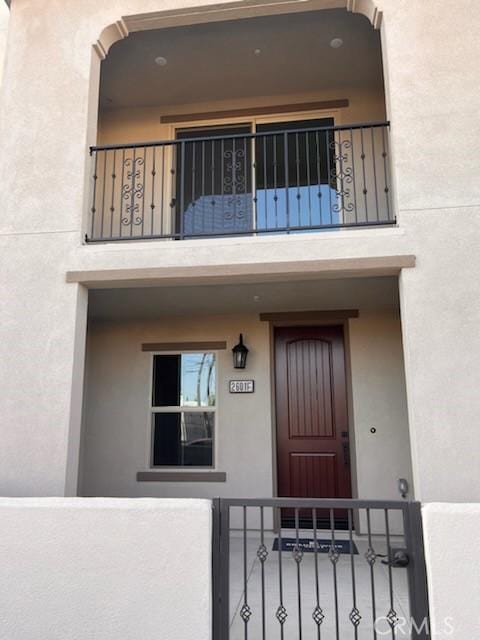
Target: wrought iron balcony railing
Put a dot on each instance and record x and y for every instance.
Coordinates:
(269, 182)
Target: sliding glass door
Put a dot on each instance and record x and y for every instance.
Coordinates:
(294, 174)
(214, 181)
(280, 179)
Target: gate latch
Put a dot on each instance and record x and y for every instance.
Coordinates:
(398, 558)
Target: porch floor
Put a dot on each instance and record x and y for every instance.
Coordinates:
(384, 594)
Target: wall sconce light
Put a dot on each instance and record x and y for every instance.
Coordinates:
(240, 353)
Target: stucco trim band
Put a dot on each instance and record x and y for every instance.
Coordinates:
(293, 270)
(181, 476)
(184, 346)
(308, 316)
(256, 111)
(244, 9)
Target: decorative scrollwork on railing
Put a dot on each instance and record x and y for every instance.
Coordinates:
(133, 191)
(341, 157)
(342, 206)
(342, 175)
(345, 174)
(339, 147)
(234, 185)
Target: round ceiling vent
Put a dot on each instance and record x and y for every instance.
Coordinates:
(336, 43)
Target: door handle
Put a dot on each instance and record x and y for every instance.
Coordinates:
(346, 453)
(400, 558)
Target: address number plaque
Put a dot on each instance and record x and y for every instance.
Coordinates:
(242, 386)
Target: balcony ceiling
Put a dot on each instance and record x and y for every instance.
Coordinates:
(217, 61)
(366, 294)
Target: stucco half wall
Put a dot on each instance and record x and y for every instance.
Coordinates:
(452, 536)
(103, 569)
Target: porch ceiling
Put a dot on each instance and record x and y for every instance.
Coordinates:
(217, 61)
(152, 302)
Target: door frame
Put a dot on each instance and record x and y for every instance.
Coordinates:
(320, 318)
(274, 116)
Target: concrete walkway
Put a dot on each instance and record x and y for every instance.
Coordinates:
(305, 627)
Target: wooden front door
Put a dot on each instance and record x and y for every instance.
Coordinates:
(312, 422)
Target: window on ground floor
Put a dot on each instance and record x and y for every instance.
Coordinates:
(183, 406)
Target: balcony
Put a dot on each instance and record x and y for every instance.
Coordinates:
(298, 176)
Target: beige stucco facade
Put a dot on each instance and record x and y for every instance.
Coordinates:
(117, 421)
(49, 106)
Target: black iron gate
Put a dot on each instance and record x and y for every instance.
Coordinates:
(368, 581)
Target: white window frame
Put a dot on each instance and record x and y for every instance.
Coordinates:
(180, 409)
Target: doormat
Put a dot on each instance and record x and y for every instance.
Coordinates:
(307, 545)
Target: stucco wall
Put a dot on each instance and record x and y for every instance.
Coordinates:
(48, 117)
(105, 568)
(452, 532)
(440, 315)
(117, 425)
(117, 428)
(117, 126)
(379, 402)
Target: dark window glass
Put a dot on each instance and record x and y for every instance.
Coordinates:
(183, 439)
(167, 439)
(186, 380)
(214, 182)
(309, 155)
(166, 381)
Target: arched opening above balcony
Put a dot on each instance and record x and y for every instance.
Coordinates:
(268, 124)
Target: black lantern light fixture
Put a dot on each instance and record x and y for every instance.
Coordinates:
(240, 353)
